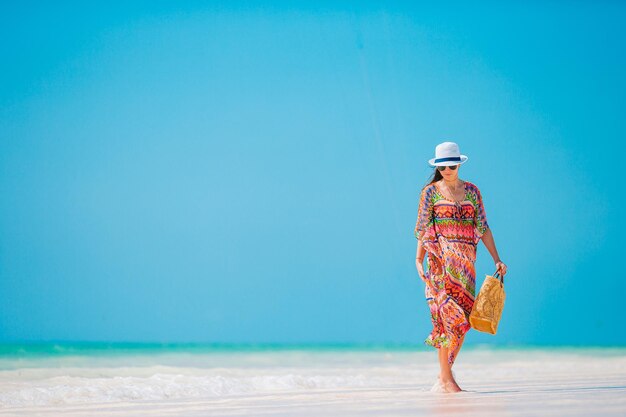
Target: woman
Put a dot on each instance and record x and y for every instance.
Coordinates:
(451, 221)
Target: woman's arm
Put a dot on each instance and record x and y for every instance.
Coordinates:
(419, 259)
(487, 239)
(421, 252)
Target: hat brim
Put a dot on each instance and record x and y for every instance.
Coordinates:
(447, 163)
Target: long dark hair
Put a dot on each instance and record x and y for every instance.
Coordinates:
(435, 177)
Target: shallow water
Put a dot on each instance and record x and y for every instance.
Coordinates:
(196, 380)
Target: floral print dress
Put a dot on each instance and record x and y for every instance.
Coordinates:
(450, 232)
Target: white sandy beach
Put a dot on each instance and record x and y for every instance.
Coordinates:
(317, 383)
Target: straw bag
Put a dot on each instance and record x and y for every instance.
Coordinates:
(488, 305)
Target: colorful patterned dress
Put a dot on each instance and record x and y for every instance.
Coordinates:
(450, 233)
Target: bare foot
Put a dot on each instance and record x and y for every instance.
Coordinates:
(437, 387)
(449, 384)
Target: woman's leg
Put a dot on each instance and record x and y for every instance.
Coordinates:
(446, 377)
(446, 369)
(458, 348)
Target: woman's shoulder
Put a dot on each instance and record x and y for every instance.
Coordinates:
(474, 191)
(471, 186)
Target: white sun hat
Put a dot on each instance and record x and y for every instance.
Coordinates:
(447, 153)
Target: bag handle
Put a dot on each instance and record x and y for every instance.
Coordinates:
(501, 277)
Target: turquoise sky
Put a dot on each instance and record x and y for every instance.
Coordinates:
(251, 173)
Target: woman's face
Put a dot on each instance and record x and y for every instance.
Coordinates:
(450, 174)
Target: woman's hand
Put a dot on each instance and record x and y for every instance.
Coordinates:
(435, 268)
(500, 266)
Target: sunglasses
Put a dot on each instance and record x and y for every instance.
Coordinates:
(452, 167)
